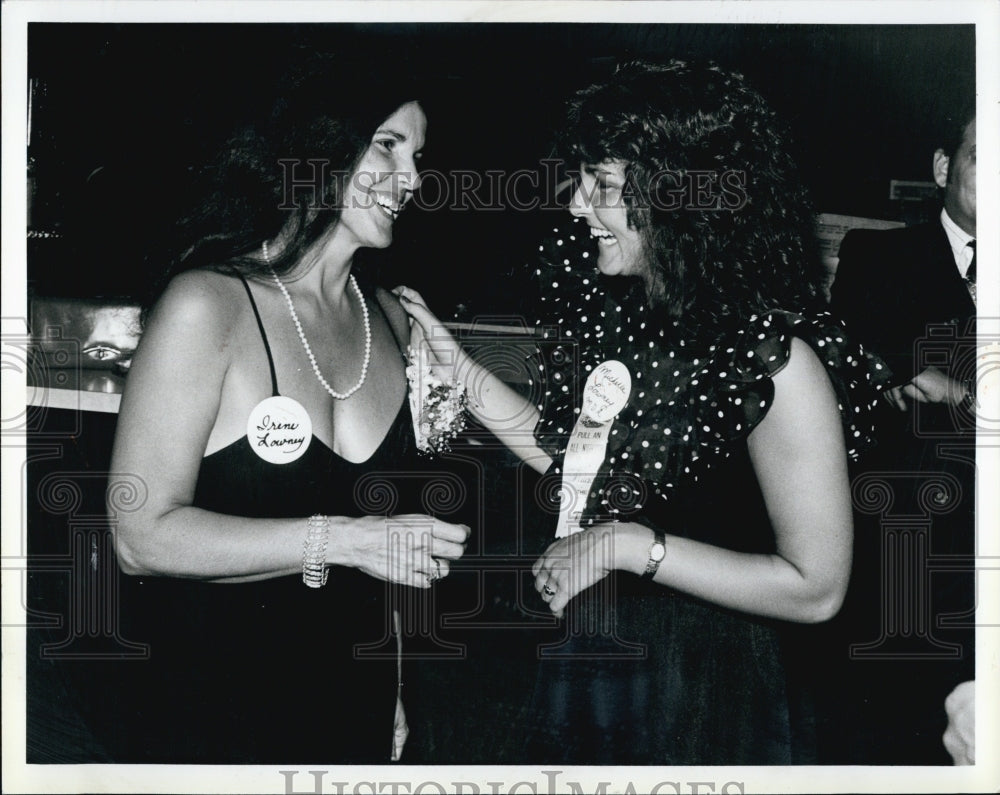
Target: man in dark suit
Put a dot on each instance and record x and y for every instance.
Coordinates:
(892, 285)
(907, 630)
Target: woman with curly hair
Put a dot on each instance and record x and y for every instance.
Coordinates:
(696, 412)
(268, 388)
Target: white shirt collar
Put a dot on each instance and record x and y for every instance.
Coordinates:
(958, 239)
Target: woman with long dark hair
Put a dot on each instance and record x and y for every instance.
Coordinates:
(693, 422)
(264, 417)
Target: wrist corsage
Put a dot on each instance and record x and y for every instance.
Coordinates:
(438, 407)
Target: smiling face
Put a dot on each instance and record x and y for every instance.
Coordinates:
(599, 200)
(384, 180)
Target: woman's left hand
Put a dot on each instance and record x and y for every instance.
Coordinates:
(573, 564)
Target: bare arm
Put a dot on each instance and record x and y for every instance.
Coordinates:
(502, 410)
(799, 457)
(168, 410)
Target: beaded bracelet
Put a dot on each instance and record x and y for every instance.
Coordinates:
(314, 570)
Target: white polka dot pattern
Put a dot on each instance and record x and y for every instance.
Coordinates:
(701, 407)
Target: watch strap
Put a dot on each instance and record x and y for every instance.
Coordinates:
(657, 552)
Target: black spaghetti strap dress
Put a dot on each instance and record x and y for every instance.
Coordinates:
(272, 671)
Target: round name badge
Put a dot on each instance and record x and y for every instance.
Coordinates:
(606, 391)
(279, 429)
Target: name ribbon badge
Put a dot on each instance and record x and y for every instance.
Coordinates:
(604, 396)
(279, 429)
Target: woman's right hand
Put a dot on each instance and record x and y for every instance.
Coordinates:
(428, 333)
(501, 409)
(406, 549)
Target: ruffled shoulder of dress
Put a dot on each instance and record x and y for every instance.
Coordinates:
(692, 404)
(757, 353)
(689, 411)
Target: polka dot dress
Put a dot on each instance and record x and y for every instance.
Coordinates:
(689, 407)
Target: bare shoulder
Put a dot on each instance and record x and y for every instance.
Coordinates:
(805, 402)
(397, 316)
(199, 301)
(202, 292)
(178, 376)
(802, 370)
(197, 318)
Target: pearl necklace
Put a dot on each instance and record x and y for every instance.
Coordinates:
(305, 342)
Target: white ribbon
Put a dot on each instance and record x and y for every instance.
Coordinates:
(604, 396)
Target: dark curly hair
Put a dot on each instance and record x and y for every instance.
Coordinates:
(716, 257)
(321, 122)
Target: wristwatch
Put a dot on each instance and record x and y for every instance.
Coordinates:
(657, 552)
(968, 400)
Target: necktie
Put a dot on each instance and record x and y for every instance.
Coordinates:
(970, 274)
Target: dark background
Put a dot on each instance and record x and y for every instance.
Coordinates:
(124, 113)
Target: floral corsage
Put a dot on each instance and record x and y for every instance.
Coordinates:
(438, 407)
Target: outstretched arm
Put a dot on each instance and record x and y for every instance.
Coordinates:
(799, 458)
(502, 410)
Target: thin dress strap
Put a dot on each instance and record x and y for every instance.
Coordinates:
(263, 335)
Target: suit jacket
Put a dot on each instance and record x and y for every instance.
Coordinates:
(892, 284)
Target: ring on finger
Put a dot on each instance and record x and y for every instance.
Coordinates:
(549, 590)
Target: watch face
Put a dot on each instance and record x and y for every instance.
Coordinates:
(657, 551)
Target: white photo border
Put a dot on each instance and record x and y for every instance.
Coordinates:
(20, 777)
